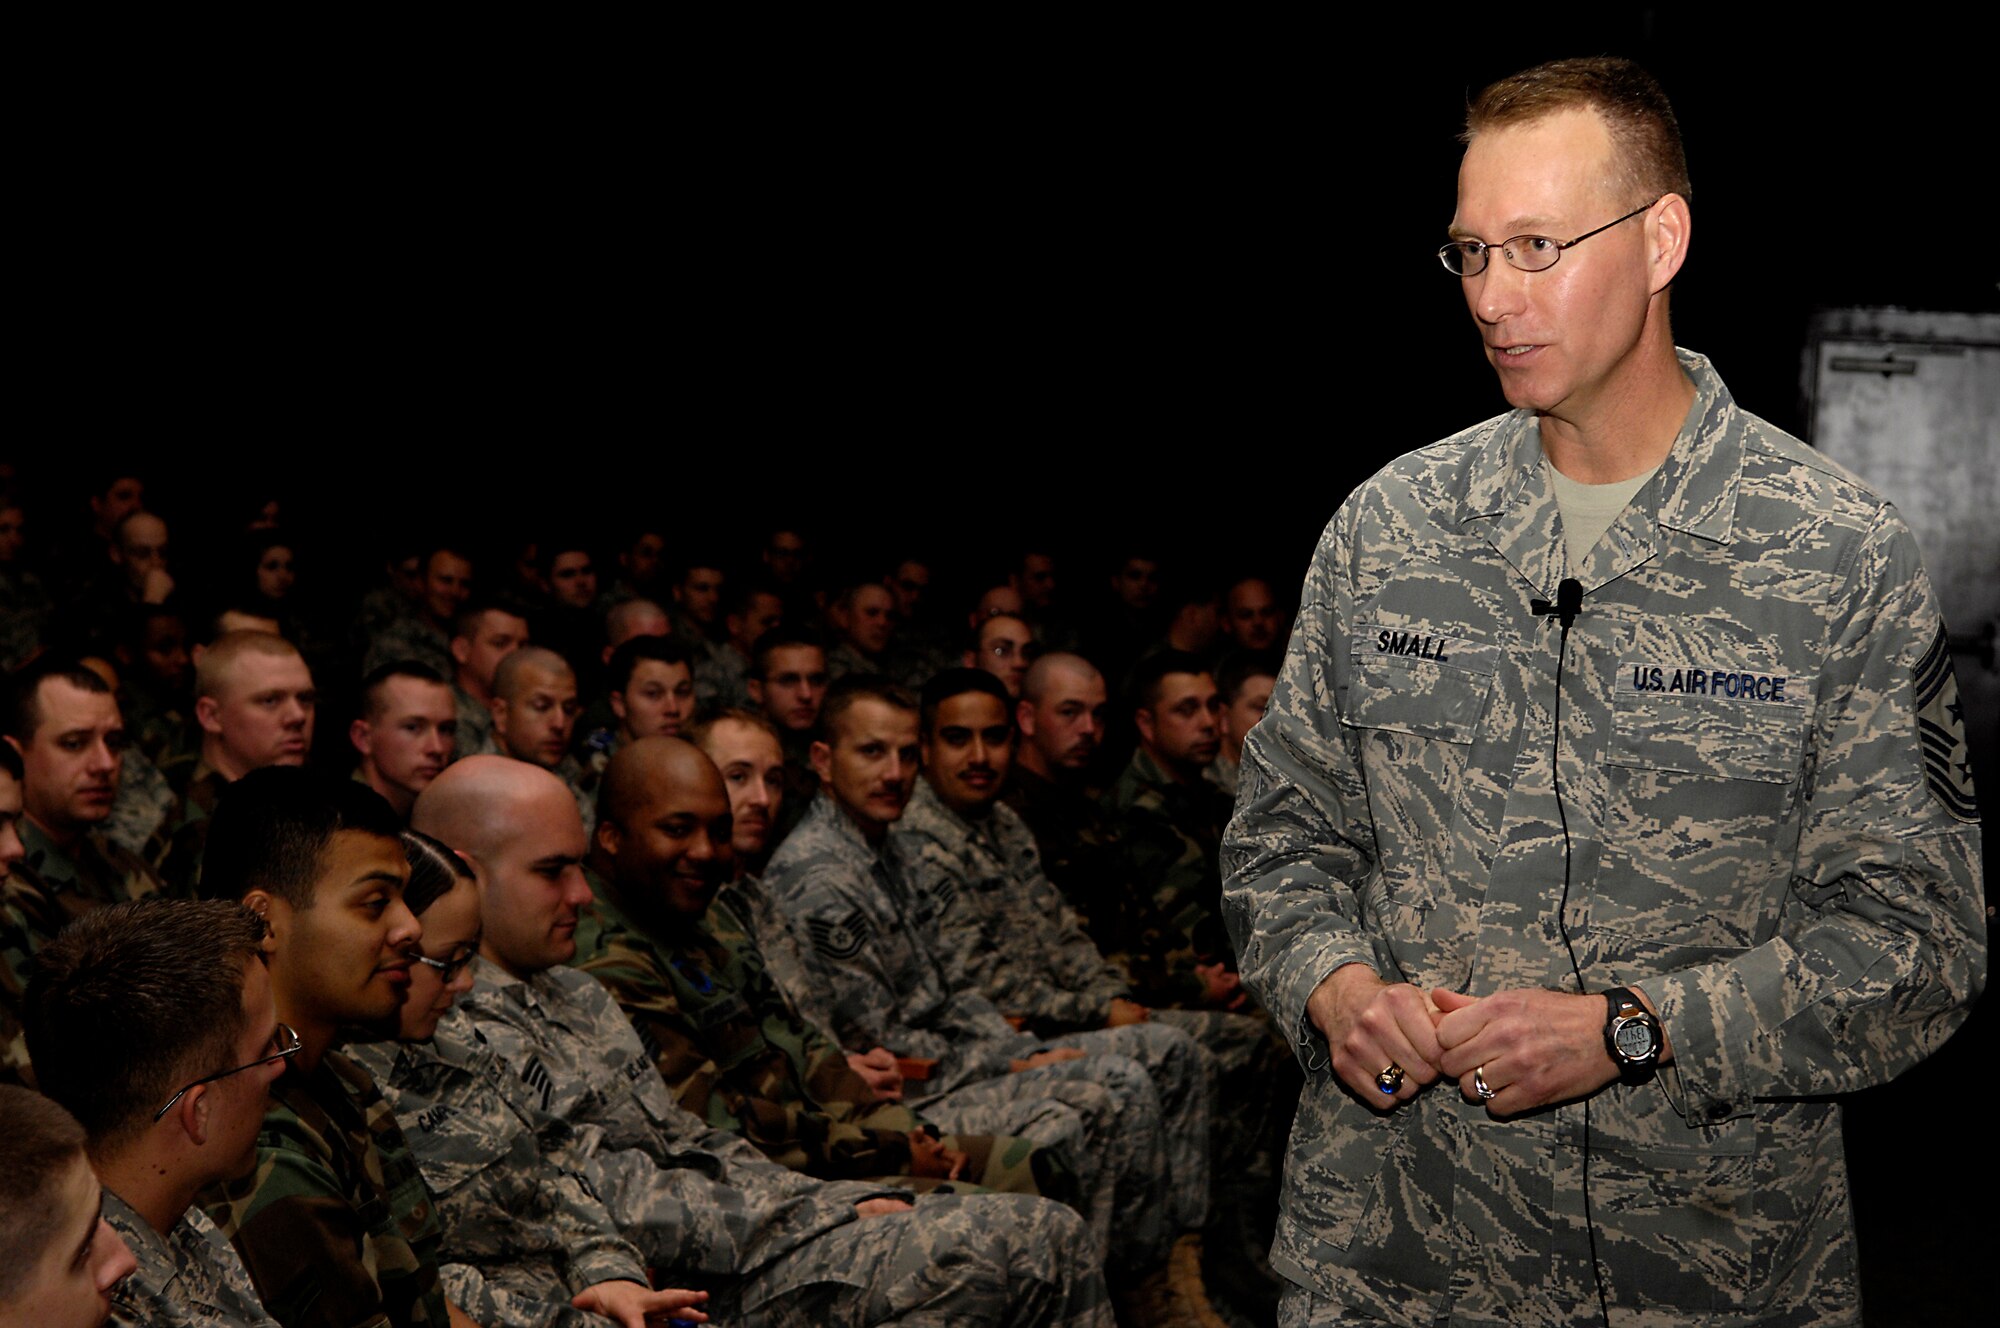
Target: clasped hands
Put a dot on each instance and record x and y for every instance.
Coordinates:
(1532, 1047)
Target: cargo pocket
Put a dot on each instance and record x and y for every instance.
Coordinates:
(1698, 824)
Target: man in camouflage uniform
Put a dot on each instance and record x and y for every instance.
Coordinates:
(1173, 816)
(534, 713)
(256, 704)
(869, 945)
(781, 1248)
(788, 682)
(184, 979)
(63, 724)
(729, 1046)
(864, 616)
(334, 1223)
(424, 635)
(1243, 680)
(1650, 934)
(1108, 871)
(484, 635)
(405, 732)
(722, 677)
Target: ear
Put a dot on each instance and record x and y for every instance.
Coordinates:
(971, 658)
(1142, 719)
(497, 707)
(609, 837)
(618, 704)
(461, 649)
(208, 714)
(821, 757)
(191, 1114)
(755, 688)
(15, 743)
(1024, 718)
(1668, 233)
(362, 735)
(277, 915)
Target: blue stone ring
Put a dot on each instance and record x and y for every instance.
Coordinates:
(1389, 1078)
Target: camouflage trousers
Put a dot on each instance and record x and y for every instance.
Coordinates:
(1103, 1116)
(1023, 1160)
(528, 1295)
(1001, 1260)
(1183, 1076)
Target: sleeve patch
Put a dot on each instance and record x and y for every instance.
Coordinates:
(841, 937)
(1941, 731)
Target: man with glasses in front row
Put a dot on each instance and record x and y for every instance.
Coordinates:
(153, 1023)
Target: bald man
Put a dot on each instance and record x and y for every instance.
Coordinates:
(766, 1239)
(255, 703)
(534, 710)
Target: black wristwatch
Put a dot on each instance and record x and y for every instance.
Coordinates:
(1631, 1035)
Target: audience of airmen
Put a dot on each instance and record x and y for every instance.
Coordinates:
(729, 943)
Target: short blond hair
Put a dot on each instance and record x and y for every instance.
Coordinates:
(1644, 132)
(220, 655)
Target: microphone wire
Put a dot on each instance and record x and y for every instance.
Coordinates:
(1562, 926)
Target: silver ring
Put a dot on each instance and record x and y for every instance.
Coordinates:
(1389, 1078)
(1479, 1085)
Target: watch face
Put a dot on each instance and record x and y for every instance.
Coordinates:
(1634, 1039)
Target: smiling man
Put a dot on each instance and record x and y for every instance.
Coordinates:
(63, 724)
(1577, 954)
(181, 984)
(334, 1222)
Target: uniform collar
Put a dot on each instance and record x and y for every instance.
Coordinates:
(1509, 498)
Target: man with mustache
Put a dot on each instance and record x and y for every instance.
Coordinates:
(63, 723)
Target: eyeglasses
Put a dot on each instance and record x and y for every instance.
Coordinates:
(1529, 253)
(447, 969)
(284, 1039)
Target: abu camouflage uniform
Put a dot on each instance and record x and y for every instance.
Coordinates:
(869, 951)
(844, 657)
(475, 726)
(1092, 856)
(520, 1235)
(1003, 931)
(414, 638)
(1766, 834)
(188, 1278)
(743, 916)
(735, 1054)
(581, 778)
(721, 677)
(1173, 835)
(777, 1249)
(139, 815)
(43, 892)
(334, 1223)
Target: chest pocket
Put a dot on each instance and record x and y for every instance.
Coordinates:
(1417, 719)
(1701, 787)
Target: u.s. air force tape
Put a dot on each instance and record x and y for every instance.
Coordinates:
(1721, 683)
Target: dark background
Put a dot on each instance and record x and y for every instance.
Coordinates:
(933, 285)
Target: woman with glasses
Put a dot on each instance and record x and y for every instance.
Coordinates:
(525, 1242)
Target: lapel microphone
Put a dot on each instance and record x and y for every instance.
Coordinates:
(1569, 602)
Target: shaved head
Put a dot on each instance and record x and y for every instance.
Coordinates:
(641, 770)
(529, 660)
(635, 617)
(1048, 668)
(476, 804)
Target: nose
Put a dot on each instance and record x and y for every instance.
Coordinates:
(1497, 292)
(979, 752)
(404, 929)
(576, 887)
(758, 794)
(103, 757)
